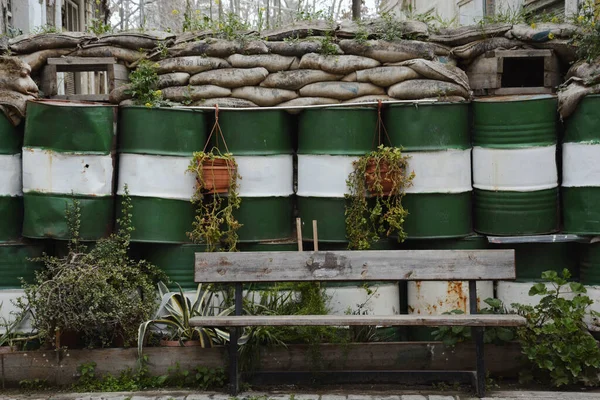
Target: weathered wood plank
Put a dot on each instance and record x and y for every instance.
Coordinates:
(361, 320)
(521, 90)
(413, 265)
(45, 365)
(522, 53)
(81, 60)
(83, 97)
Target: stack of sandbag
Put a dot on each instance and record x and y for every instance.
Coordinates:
(583, 79)
(16, 88)
(128, 47)
(293, 73)
(557, 37)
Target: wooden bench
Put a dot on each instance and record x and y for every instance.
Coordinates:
(360, 266)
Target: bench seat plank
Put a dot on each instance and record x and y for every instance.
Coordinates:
(361, 320)
(387, 265)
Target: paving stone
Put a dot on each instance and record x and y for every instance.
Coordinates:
(306, 397)
(437, 397)
(413, 397)
(333, 397)
(203, 397)
(360, 397)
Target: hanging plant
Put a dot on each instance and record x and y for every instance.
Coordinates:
(216, 196)
(376, 187)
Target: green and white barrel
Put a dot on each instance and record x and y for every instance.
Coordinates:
(261, 142)
(155, 149)
(531, 260)
(11, 193)
(581, 169)
(589, 276)
(329, 141)
(436, 137)
(515, 176)
(16, 263)
(68, 154)
(435, 298)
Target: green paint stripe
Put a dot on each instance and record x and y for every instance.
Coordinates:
(531, 259)
(505, 124)
(11, 137)
(260, 132)
(437, 215)
(15, 263)
(177, 261)
(581, 214)
(515, 213)
(330, 215)
(265, 218)
(68, 152)
(44, 216)
(428, 127)
(64, 128)
(162, 131)
(343, 131)
(589, 268)
(11, 215)
(582, 125)
(159, 220)
(472, 242)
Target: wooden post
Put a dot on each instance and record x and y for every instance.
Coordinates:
(315, 235)
(299, 233)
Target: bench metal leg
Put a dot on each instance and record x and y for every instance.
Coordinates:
(478, 335)
(234, 335)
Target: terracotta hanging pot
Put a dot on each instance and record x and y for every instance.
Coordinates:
(371, 174)
(217, 174)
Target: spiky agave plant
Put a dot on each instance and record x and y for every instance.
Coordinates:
(175, 312)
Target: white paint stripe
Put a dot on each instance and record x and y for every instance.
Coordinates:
(10, 175)
(440, 171)
(48, 171)
(266, 176)
(323, 175)
(581, 164)
(156, 176)
(516, 170)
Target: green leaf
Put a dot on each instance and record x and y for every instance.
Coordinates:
(538, 288)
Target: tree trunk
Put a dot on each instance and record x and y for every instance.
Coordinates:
(356, 4)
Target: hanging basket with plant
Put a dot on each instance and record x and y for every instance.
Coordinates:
(376, 187)
(216, 194)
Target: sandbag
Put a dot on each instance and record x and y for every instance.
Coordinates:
(272, 62)
(409, 29)
(15, 75)
(230, 77)
(570, 97)
(467, 34)
(563, 48)
(415, 89)
(298, 30)
(264, 97)
(190, 64)
(173, 79)
(119, 53)
(369, 99)
(340, 90)
(127, 103)
(386, 52)
(224, 102)
(294, 80)
(306, 101)
(441, 72)
(25, 44)
(136, 40)
(119, 94)
(341, 65)
(542, 32)
(294, 49)
(440, 49)
(208, 47)
(38, 59)
(473, 50)
(255, 47)
(385, 76)
(584, 70)
(13, 105)
(191, 93)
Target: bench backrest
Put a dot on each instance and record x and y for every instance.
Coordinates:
(388, 265)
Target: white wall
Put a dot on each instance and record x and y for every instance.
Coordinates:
(29, 14)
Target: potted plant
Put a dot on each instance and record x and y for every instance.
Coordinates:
(174, 314)
(216, 195)
(374, 202)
